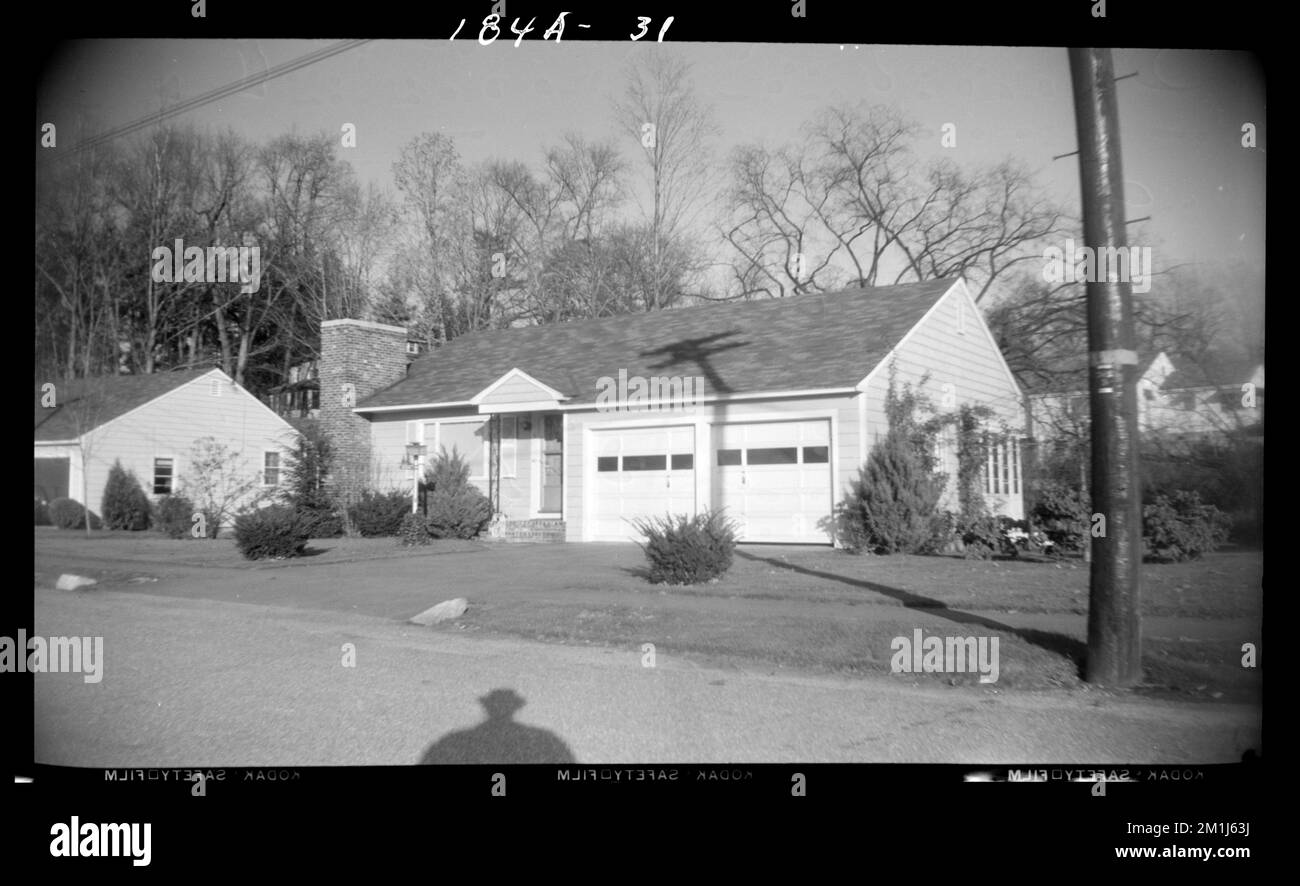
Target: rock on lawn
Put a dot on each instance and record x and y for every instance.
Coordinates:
(70, 582)
(444, 611)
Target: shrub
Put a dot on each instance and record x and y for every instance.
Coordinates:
(1061, 512)
(1180, 527)
(413, 531)
(891, 505)
(321, 523)
(42, 513)
(125, 505)
(308, 462)
(943, 533)
(981, 537)
(454, 507)
(892, 501)
(174, 516)
(686, 550)
(270, 533)
(66, 513)
(379, 514)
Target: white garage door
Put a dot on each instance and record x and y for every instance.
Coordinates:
(774, 478)
(640, 473)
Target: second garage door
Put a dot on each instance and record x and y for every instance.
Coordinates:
(774, 478)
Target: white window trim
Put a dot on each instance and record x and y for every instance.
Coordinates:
(435, 449)
(176, 463)
(279, 469)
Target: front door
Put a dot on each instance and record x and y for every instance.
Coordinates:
(552, 463)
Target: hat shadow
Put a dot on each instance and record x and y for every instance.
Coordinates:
(499, 738)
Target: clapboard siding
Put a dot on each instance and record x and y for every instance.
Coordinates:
(169, 426)
(962, 367)
(517, 390)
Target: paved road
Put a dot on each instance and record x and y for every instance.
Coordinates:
(218, 683)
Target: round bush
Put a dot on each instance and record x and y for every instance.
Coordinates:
(68, 514)
(380, 514)
(174, 516)
(686, 550)
(1180, 527)
(270, 534)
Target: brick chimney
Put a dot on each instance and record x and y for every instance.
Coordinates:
(357, 359)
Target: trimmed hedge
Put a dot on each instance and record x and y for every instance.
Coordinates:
(125, 506)
(686, 550)
(270, 533)
(66, 513)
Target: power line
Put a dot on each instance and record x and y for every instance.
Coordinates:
(217, 94)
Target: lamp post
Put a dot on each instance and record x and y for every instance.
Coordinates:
(414, 454)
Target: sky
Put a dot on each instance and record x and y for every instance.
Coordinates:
(1181, 117)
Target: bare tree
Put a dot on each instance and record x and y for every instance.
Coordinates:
(659, 109)
(852, 204)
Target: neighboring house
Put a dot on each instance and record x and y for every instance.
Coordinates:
(764, 408)
(1177, 399)
(299, 396)
(151, 422)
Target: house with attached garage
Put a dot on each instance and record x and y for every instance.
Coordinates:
(150, 423)
(765, 408)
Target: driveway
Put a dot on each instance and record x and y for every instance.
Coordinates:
(189, 681)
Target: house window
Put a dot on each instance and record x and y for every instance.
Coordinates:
(469, 439)
(607, 463)
(412, 347)
(777, 455)
(1002, 471)
(645, 462)
(270, 469)
(816, 455)
(163, 471)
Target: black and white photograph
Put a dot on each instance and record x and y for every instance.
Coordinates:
(633, 408)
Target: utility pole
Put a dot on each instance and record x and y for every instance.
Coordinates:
(1114, 620)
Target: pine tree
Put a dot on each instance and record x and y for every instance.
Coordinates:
(896, 494)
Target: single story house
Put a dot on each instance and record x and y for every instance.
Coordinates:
(765, 408)
(150, 423)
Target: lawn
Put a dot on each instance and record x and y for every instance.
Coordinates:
(779, 608)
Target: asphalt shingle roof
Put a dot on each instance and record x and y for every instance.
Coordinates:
(83, 404)
(803, 342)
